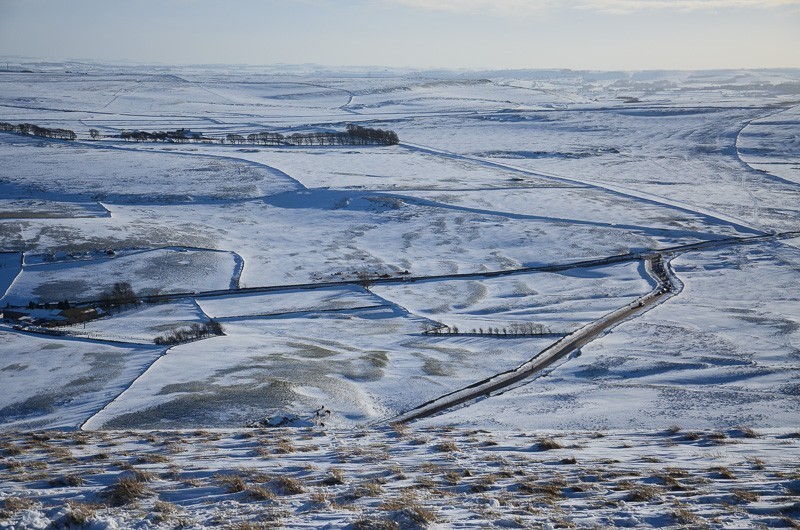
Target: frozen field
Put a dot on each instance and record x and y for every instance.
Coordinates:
(405, 478)
(329, 266)
(149, 272)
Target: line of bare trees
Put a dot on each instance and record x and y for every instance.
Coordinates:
(194, 332)
(354, 135)
(35, 130)
(515, 328)
(178, 136)
(121, 294)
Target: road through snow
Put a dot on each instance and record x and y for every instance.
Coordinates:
(667, 285)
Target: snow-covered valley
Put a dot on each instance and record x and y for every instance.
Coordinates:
(652, 220)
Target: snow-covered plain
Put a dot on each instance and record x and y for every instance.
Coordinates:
(348, 254)
(405, 478)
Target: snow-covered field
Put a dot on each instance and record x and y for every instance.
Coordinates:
(152, 271)
(404, 478)
(519, 208)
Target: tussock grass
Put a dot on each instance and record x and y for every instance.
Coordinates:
(335, 477)
(13, 505)
(127, 490)
(722, 472)
(400, 429)
(688, 519)
(285, 447)
(425, 483)
(10, 449)
(251, 525)
(259, 493)
(367, 489)
(286, 485)
(374, 523)
(547, 489)
(548, 444)
(447, 446)
(406, 510)
(232, 483)
(165, 507)
(69, 480)
(483, 484)
(151, 458)
(742, 496)
(452, 477)
(746, 432)
(642, 493)
(79, 514)
(671, 482)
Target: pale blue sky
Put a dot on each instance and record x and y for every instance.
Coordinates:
(579, 34)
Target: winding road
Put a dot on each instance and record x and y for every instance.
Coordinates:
(667, 285)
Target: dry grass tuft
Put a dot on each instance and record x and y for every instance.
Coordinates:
(12, 505)
(722, 472)
(285, 485)
(259, 493)
(746, 432)
(335, 477)
(232, 483)
(400, 429)
(127, 490)
(165, 507)
(250, 525)
(375, 523)
(687, 519)
(642, 493)
(10, 449)
(408, 512)
(547, 444)
(741, 496)
(151, 458)
(285, 447)
(367, 489)
(452, 477)
(79, 514)
(448, 446)
(70, 480)
(552, 490)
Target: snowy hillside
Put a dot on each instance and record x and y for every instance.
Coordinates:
(556, 251)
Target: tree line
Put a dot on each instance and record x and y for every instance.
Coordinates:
(35, 130)
(178, 136)
(515, 328)
(194, 332)
(354, 135)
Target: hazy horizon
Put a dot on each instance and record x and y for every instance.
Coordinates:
(419, 34)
